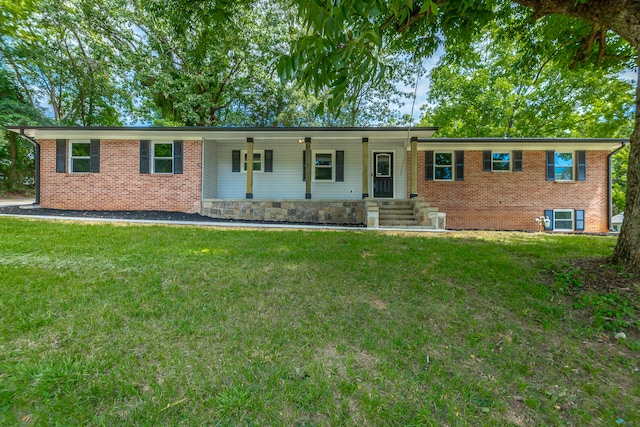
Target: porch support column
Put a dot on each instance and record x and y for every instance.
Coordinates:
(307, 175)
(249, 168)
(365, 168)
(414, 167)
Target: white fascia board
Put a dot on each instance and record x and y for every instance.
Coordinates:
(524, 145)
(225, 134)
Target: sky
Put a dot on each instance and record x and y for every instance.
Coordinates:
(424, 83)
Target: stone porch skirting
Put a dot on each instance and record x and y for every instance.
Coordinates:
(295, 211)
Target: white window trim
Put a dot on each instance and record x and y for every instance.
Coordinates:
(333, 165)
(153, 158)
(508, 161)
(452, 166)
(573, 219)
(572, 167)
(243, 163)
(72, 157)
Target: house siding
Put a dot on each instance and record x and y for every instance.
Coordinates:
(210, 169)
(513, 200)
(351, 187)
(119, 185)
(285, 182)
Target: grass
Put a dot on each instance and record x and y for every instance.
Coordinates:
(152, 325)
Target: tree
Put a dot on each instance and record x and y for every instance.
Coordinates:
(16, 155)
(11, 11)
(175, 62)
(348, 41)
(514, 89)
(210, 63)
(619, 168)
(57, 57)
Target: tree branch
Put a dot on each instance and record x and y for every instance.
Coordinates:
(216, 98)
(620, 16)
(23, 84)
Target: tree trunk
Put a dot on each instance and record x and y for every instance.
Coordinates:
(627, 251)
(13, 162)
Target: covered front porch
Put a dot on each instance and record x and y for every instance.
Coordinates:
(320, 176)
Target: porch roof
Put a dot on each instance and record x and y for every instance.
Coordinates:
(227, 134)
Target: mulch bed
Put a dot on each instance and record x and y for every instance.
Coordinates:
(143, 215)
(146, 215)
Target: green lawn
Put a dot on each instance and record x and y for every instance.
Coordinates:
(152, 325)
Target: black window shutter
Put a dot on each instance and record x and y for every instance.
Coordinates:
(582, 165)
(517, 161)
(551, 169)
(94, 150)
(178, 156)
(268, 160)
(549, 214)
(579, 220)
(486, 160)
(304, 165)
(61, 155)
(235, 161)
(459, 165)
(428, 165)
(340, 166)
(144, 155)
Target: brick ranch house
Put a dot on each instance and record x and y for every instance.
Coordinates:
(371, 176)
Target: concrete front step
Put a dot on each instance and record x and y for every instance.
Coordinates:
(387, 222)
(393, 202)
(397, 218)
(397, 213)
(400, 214)
(409, 227)
(395, 208)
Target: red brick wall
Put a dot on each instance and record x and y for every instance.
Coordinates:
(119, 185)
(512, 200)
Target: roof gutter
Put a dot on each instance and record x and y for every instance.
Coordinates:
(36, 148)
(610, 186)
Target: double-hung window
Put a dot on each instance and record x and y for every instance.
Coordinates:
(262, 161)
(563, 166)
(563, 219)
(443, 166)
(257, 160)
(80, 157)
(162, 157)
(566, 165)
(500, 161)
(323, 166)
(326, 165)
